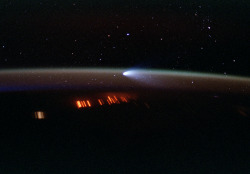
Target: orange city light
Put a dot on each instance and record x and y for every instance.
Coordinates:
(124, 99)
(110, 100)
(89, 105)
(83, 104)
(116, 100)
(78, 103)
(100, 102)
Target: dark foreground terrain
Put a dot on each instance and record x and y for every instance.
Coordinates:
(153, 132)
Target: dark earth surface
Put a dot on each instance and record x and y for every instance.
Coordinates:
(158, 131)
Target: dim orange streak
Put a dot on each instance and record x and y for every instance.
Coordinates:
(108, 102)
(124, 99)
(100, 102)
(88, 103)
(116, 100)
(112, 100)
(85, 104)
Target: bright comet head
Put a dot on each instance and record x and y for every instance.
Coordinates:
(127, 73)
(131, 73)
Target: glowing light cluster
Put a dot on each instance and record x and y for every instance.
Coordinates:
(83, 103)
(109, 100)
(112, 100)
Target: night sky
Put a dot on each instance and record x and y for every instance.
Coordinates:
(193, 35)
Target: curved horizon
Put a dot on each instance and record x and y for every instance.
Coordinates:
(70, 78)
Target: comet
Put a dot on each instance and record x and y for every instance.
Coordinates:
(128, 73)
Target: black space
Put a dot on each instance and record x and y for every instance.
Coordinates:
(207, 36)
